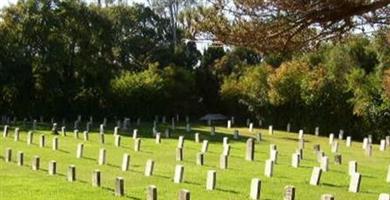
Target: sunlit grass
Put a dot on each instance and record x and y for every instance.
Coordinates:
(234, 183)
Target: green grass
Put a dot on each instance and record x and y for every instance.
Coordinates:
(23, 183)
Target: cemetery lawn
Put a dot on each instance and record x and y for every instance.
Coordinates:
(234, 183)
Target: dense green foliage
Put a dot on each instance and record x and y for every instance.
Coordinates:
(63, 58)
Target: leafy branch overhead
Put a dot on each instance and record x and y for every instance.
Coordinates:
(283, 25)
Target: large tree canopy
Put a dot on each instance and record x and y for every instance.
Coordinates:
(275, 25)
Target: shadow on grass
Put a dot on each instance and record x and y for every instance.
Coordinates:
(227, 190)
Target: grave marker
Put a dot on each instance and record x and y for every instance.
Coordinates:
(197, 139)
(384, 196)
(42, 141)
(315, 176)
(200, 159)
(5, 131)
(211, 179)
(274, 156)
(117, 140)
(255, 189)
(349, 141)
(76, 134)
(269, 168)
(55, 143)
(149, 168)
(354, 184)
(352, 167)
(80, 150)
(102, 156)
(16, 136)
(86, 135)
(250, 150)
(35, 163)
(137, 145)
(295, 160)
(327, 197)
(179, 154)
(125, 162)
(152, 191)
(223, 161)
(205, 146)
(251, 127)
(52, 167)
(335, 146)
(63, 131)
(325, 163)
(317, 131)
(331, 138)
(226, 150)
(119, 187)
(20, 157)
(71, 176)
(101, 136)
(289, 193)
(184, 195)
(341, 134)
(29, 138)
(300, 134)
(270, 130)
(96, 178)
(180, 142)
(365, 143)
(8, 155)
(225, 141)
(179, 173)
(382, 146)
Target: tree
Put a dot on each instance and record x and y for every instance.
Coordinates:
(283, 25)
(171, 9)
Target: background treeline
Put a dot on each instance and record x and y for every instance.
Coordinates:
(64, 58)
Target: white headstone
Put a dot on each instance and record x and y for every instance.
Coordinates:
(352, 167)
(274, 156)
(125, 162)
(295, 160)
(384, 196)
(300, 134)
(270, 130)
(354, 184)
(102, 156)
(180, 142)
(255, 189)
(325, 163)
(382, 146)
(315, 176)
(349, 141)
(331, 138)
(149, 168)
(205, 146)
(250, 127)
(365, 143)
(269, 168)
(179, 173)
(211, 179)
